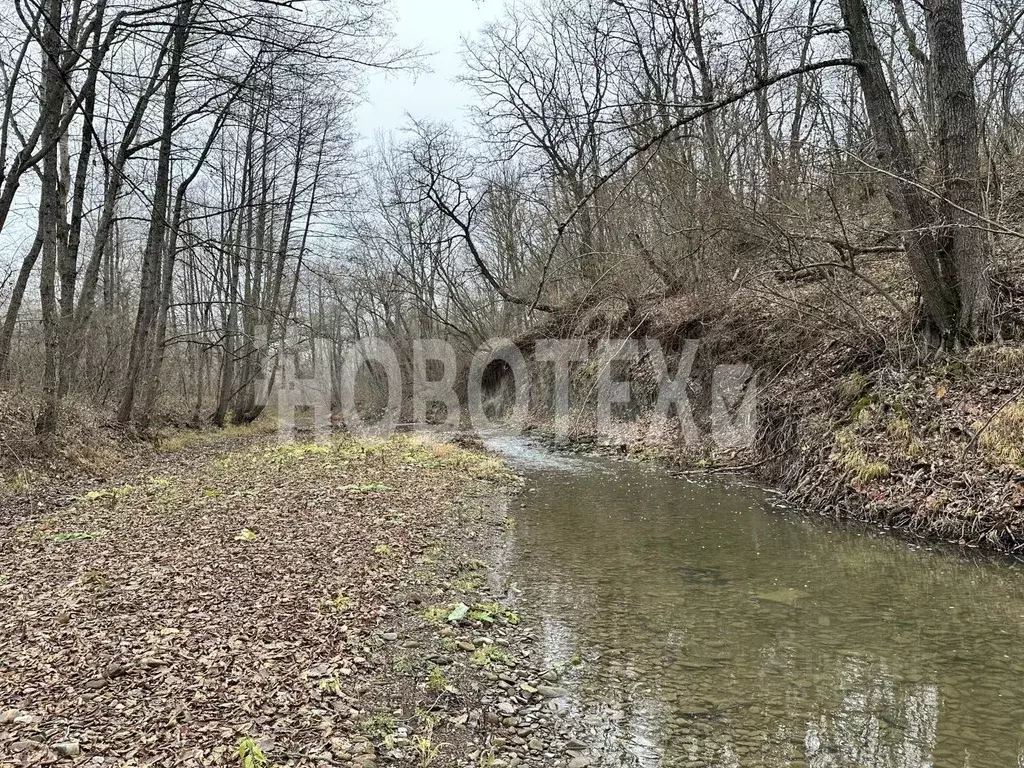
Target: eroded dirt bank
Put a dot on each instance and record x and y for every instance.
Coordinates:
(254, 603)
(931, 451)
(850, 427)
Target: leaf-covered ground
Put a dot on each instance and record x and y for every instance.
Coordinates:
(262, 604)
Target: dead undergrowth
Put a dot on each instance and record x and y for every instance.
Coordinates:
(86, 443)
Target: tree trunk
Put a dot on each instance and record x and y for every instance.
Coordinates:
(101, 258)
(51, 100)
(947, 259)
(17, 296)
(73, 228)
(957, 139)
(149, 289)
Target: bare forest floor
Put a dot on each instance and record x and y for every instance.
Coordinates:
(254, 603)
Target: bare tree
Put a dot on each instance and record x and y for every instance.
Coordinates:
(945, 244)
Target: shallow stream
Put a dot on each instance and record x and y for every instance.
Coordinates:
(700, 623)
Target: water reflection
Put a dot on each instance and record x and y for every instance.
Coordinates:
(714, 631)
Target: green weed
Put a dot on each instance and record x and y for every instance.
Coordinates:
(427, 751)
(337, 604)
(250, 755)
(427, 719)
(360, 488)
(436, 680)
(863, 410)
(491, 654)
(468, 582)
(435, 614)
(331, 684)
(379, 726)
(111, 494)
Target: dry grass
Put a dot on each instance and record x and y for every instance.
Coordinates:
(1004, 359)
(173, 442)
(86, 442)
(1003, 438)
(899, 428)
(862, 469)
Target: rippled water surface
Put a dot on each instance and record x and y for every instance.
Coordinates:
(702, 626)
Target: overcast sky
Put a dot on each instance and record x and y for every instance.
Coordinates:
(437, 27)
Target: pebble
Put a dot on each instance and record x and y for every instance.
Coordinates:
(580, 762)
(549, 692)
(67, 748)
(390, 636)
(9, 716)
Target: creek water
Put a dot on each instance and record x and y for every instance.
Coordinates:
(700, 623)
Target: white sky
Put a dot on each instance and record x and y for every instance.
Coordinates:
(437, 27)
